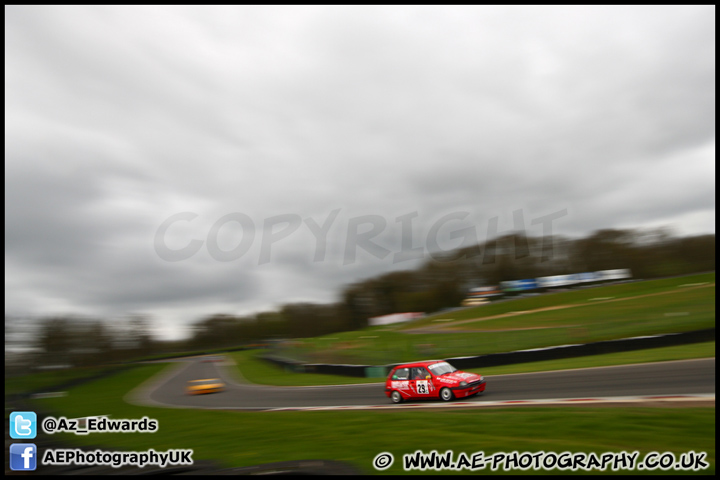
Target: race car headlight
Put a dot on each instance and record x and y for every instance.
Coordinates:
(463, 384)
(482, 378)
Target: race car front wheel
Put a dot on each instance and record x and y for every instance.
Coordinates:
(446, 394)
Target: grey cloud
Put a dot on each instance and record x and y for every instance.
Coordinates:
(119, 117)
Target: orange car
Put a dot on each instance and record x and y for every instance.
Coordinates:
(207, 385)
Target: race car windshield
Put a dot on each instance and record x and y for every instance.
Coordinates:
(442, 368)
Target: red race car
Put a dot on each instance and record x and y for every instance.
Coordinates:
(431, 379)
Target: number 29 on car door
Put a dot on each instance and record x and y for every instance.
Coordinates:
(422, 387)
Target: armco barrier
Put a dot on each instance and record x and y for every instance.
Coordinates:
(294, 366)
(509, 358)
(595, 348)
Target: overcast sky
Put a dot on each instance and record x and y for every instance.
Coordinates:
(184, 161)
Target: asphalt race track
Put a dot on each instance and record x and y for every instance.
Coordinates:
(686, 377)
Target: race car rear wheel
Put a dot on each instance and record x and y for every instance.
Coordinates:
(396, 397)
(446, 394)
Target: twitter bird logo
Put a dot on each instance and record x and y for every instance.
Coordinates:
(23, 425)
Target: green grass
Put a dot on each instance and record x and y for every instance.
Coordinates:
(694, 305)
(251, 438)
(663, 354)
(573, 297)
(37, 381)
(635, 309)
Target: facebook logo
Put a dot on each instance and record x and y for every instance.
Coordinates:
(23, 425)
(23, 456)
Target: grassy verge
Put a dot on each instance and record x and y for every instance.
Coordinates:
(679, 352)
(356, 437)
(40, 380)
(576, 297)
(627, 310)
(683, 308)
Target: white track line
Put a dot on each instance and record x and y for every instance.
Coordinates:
(517, 403)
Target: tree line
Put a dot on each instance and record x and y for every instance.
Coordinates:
(441, 282)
